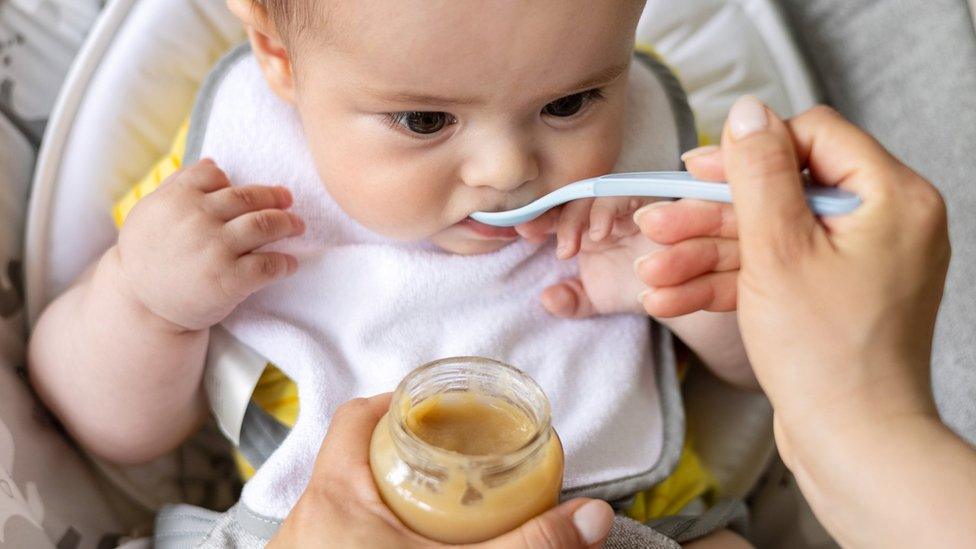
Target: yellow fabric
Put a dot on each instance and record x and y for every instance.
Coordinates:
(278, 395)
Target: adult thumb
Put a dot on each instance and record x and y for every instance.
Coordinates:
(580, 523)
(762, 168)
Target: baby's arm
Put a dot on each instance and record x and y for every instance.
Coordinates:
(715, 339)
(119, 357)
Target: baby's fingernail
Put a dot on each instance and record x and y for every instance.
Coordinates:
(647, 208)
(747, 117)
(700, 151)
(562, 251)
(593, 521)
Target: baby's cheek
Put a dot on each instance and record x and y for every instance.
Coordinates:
(396, 208)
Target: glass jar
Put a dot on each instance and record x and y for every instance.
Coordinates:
(467, 451)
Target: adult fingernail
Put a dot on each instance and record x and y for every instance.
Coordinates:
(642, 295)
(747, 117)
(638, 261)
(647, 208)
(700, 151)
(592, 521)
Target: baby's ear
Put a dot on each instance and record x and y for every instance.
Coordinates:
(268, 45)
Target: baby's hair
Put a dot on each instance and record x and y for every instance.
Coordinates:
(290, 17)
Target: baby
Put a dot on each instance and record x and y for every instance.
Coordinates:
(415, 114)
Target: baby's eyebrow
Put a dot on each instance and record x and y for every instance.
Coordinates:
(419, 98)
(604, 76)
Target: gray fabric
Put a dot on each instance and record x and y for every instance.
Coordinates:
(201, 110)
(179, 526)
(261, 434)
(684, 117)
(905, 71)
(728, 513)
(630, 534)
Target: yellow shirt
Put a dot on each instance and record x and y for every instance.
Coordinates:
(278, 395)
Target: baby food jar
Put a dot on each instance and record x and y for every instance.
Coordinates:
(467, 451)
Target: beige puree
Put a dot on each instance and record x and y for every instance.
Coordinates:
(481, 485)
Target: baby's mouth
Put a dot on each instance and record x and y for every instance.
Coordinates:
(488, 232)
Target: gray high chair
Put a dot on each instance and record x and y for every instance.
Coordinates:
(903, 69)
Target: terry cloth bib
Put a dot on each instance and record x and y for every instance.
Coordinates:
(363, 310)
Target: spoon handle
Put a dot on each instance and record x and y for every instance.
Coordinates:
(822, 200)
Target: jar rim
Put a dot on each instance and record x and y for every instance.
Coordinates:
(541, 418)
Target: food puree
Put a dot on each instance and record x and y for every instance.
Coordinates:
(480, 469)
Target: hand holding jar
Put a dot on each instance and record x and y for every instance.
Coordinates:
(342, 508)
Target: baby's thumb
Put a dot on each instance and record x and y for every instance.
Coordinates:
(579, 523)
(764, 173)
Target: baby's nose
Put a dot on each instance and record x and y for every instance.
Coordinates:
(506, 165)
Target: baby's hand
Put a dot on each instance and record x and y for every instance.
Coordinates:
(602, 232)
(187, 251)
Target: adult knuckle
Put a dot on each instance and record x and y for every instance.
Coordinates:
(353, 405)
(821, 112)
(769, 159)
(544, 534)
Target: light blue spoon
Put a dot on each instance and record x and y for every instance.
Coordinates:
(822, 200)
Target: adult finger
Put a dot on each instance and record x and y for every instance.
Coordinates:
(672, 222)
(716, 292)
(705, 163)
(837, 152)
(764, 173)
(346, 445)
(686, 260)
(580, 523)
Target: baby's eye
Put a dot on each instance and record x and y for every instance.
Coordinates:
(571, 104)
(422, 122)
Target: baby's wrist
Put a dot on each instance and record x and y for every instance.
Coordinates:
(111, 277)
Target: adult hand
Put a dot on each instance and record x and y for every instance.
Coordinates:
(814, 295)
(837, 315)
(342, 508)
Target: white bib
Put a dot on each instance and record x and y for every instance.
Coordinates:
(363, 310)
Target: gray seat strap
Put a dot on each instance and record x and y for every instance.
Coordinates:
(727, 513)
(261, 434)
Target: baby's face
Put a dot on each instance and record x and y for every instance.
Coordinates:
(420, 112)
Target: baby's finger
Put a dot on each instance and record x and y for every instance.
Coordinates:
(539, 229)
(572, 223)
(670, 222)
(714, 292)
(568, 299)
(686, 260)
(233, 202)
(254, 271)
(205, 176)
(705, 163)
(253, 230)
(606, 211)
